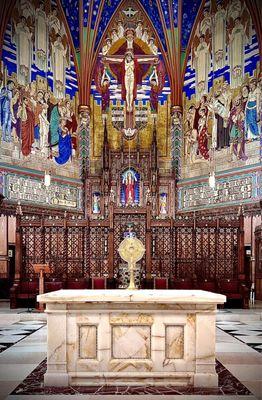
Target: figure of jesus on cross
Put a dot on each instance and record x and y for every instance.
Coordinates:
(131, 75)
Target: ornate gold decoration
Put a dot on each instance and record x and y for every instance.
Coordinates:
(131, 250)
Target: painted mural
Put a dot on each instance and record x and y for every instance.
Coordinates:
(39, 91)
(130, 88)
(222, 92)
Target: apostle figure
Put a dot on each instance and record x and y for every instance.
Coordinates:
(5, 110)
(59, 54)
(139, 30)
(219, 37)
(114, 36)
(120, 29)
(56, 114)
(23, 40)
(54, 23)
(152, 46)
(26, 114)
(44, 130)
(202, 66)
(203, 133)
(71, 124)
(236, 125)
(106, 47)
(145, 35)
(41, 38)
(157, 82)
(252, 111)
(237, 41)
(64, 143)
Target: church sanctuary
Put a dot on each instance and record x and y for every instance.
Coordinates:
(130, 200)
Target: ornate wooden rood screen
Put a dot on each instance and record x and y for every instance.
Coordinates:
(184, 247)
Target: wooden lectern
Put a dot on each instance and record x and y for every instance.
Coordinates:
(41, 269)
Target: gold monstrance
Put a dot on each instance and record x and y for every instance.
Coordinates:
(131, 250)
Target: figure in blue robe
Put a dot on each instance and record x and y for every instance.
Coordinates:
(64, 145)
(5, 111)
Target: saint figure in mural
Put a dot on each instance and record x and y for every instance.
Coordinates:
(202, 66)
(44, 130)
(41, 38)
(157, 82)
(23, 40)
(64, 143)
(27, 117)
(6, 95)
(102, 82)
(120, 29)
(252, 111)
(59, 63)
(219, 37)
(129, 182)
(236, 126)
(203, 133)
(139, 29)
(53, 22)
(163, 204)
(96, 203)
(237, 41)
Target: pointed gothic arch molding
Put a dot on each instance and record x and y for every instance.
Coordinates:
(71, 44)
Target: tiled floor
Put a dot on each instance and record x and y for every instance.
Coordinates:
(239, 342)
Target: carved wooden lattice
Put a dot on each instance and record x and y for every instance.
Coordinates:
(184, 252)
(161, 250)
(99, 265)
(73, 249)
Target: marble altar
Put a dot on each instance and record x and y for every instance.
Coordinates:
(131, 337)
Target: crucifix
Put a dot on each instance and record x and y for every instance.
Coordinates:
(130, 77)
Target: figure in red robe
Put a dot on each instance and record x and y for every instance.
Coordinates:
(26, 114)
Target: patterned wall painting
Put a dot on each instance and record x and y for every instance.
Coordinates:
(222, 92)
(39, 91)
(131, 107)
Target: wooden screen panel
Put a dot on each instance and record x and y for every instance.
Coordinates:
(98, 251)
(76, 257)
(161, 250)
(184, 252)
(55, 250)
(32, 249)
(227, 252)
(205, 256)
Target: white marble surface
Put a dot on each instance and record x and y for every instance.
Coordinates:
(123, 337)
(132, 296)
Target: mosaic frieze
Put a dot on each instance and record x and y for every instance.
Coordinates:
(33, 191)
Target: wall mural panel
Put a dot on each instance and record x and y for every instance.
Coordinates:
(222, 92)
(32, 191)
(39, 91)
(233, 190)
(130, 88)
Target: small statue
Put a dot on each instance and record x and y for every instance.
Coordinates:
(148, 196)
(112, 196)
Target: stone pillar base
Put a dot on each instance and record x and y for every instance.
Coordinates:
(206, 380)
(56, 379)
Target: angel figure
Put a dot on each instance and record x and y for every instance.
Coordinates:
(59, 54)
(24, 45)
(219, 37)
(139, 29)
(201, 62)
(120, 29)
(106, 47)
(41, 38)
(152, 46)
(102, 82)
(157, 82)
(237, 42)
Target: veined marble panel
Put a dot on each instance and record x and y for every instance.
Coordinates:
(131, 342)
(88, 341)
(174, 339)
